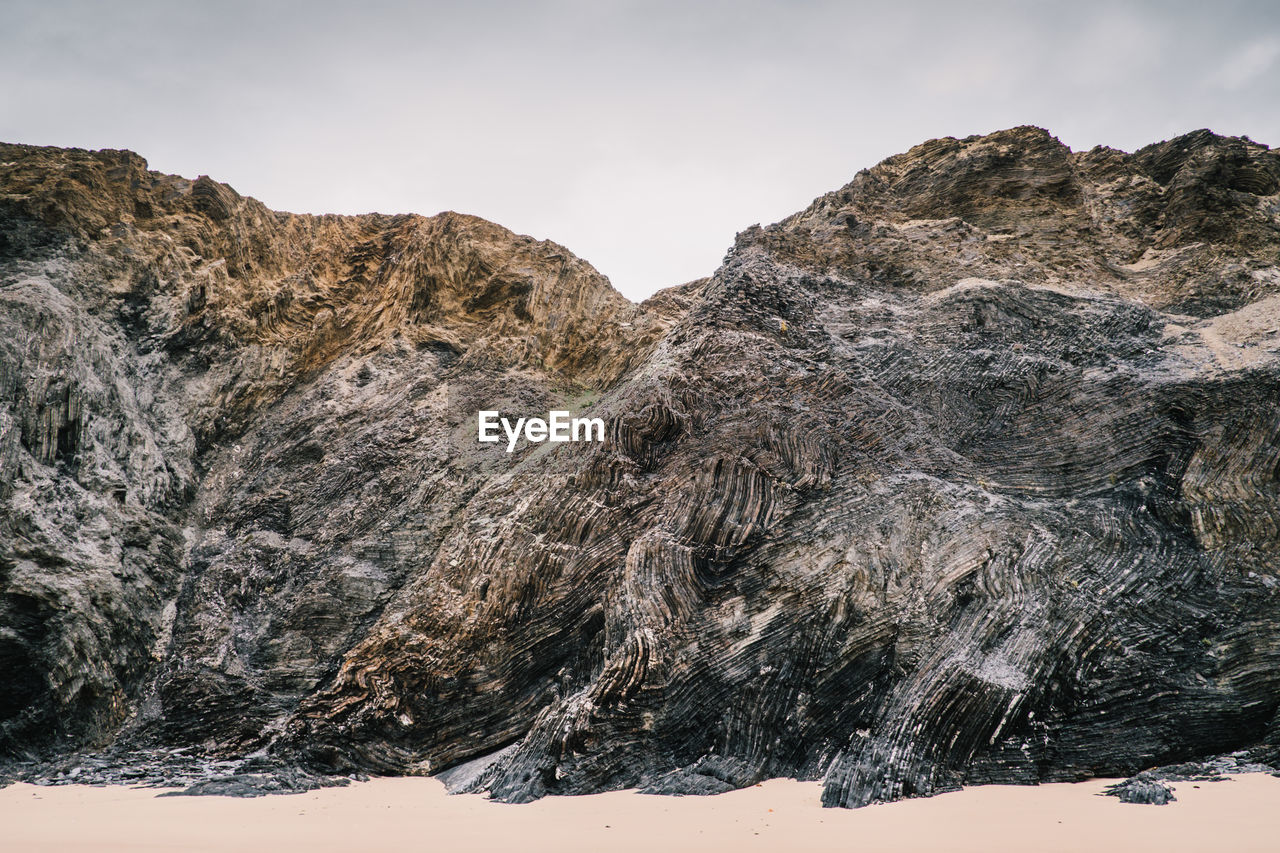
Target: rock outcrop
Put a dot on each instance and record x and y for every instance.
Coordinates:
(968, 472)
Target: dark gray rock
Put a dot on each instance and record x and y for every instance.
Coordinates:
(1143, 791)
(966, 473)
(259, 785)
(1148, 786)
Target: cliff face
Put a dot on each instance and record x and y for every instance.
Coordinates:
(968, 472)
(212, 413)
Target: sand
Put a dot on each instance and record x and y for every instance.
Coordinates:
(1242, 814)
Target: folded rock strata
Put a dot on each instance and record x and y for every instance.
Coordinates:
(969, 472)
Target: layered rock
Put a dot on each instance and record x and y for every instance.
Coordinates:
(968, 472)
(206, 404)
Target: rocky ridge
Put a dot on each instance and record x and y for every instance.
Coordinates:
(969, 472)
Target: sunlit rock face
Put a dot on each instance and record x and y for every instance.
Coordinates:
(968, 472)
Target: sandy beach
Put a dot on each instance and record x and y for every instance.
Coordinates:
(417, 814)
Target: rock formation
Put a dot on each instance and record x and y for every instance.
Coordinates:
(969, 472)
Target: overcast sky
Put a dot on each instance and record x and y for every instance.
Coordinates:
(642, 135)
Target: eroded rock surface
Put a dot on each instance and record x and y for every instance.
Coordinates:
(969, 472)
(1149, 787)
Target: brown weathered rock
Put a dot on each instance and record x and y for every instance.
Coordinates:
(970, 471)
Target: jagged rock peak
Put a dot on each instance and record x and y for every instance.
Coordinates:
(318, 286)
(1019, 204)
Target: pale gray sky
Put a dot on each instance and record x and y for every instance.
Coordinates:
(642, 135)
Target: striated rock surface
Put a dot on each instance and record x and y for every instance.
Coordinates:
(969, 472)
